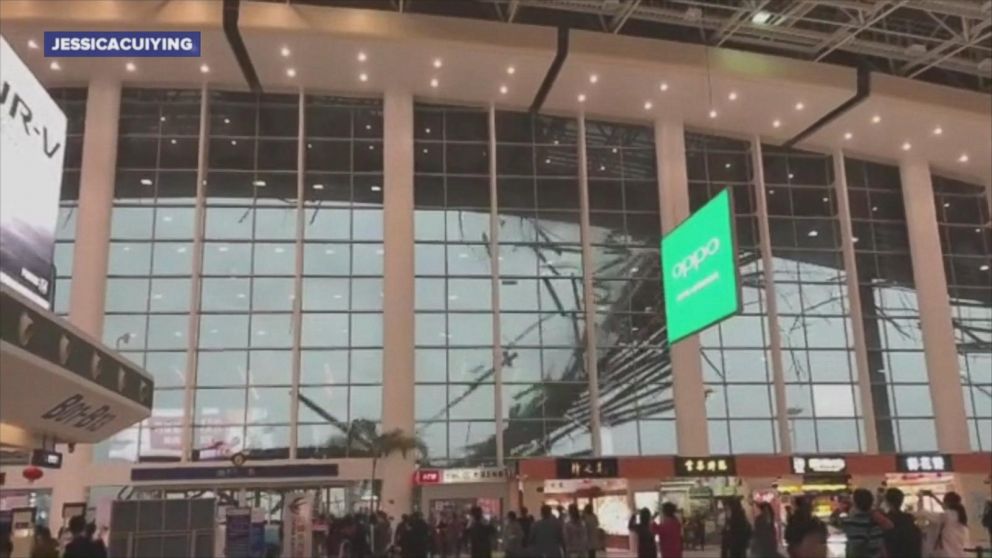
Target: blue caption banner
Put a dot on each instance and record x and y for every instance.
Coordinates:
(127, 44)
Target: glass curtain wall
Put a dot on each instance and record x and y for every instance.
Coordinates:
(341, 345)
(542, 322)
(634, 365)
(72, 101)
(148, 276)
(889, 309)
(455, 399)
(811, 292)
(736, 358)
(966, 239)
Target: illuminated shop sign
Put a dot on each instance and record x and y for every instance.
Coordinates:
(459, 476)
(588, 468)
(719, 466)
(818, 465)
(924, 463)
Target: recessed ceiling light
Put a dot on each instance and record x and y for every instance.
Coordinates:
(32, 44)
(732, 96)
(947, 204)
(130, 67)
(727, 165)
(204, 69)
(173, 141)
(227, 121)
(361, 56)
(582, 97)
(593, 78)
(813, 234)
(503, 89)
(663, 86)
(712, 113)
(318, 186)
(826, 199)
(234, 142)
(876, 119)
(761, 17)
(258, 183)
(648, 105)
(848, 135)
(800, 105)
(284, 51)
(511, 70)
(291, 72)
(55, 65)
(363, 77)
(376, 188)
(791, 176)
(984, 267)
(428, 130)
(434, 82)
(146, 181)
(906, 146)
(776, 123)
(161, 119)
(938, 131)
(963, 158)
(438, 63)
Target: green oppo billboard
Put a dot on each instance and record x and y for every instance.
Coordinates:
(700, 277)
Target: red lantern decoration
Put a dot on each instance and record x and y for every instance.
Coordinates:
(32, 473)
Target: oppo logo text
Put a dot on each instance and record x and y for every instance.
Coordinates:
(692, 262)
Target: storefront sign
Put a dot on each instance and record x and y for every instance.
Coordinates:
(458, 476)
(818, 465)
(705, 467)
(924, 463)
(588, 468)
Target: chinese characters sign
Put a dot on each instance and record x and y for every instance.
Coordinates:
(818, 465)
(924, 463)
(715, 466)
(602, 468)
(457, 476)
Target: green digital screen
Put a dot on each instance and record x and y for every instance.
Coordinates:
(699, 270)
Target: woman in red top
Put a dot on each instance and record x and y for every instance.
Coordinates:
(669, 532)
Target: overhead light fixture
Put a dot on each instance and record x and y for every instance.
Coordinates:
(947, 204)
(204, 69)
(776, 123)
(363, 77)
(761, 17)
(227, 121)
(503, 89)
(906, 146)
(291, 72)
(146, 181)
(984, 267)
(876, 119)
(130, 67)
(361, 56)
(663, 86)
(376, 188)
(593, 78)
(438, 63)
(173, 141)
(234, 142)
(582, 97)
(791, 176)
(963, 158)
(813, 234)
(55, 65)
(434, 82)
(732, 96)
(848, 135)
(284, 51)
(511, 70)
(258, 183)
(938, 131)
(648, 105)
(800, 105)
(318, 186)
(32, 44)
(712, 113)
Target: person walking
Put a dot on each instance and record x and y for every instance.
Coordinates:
(80, 546)
(382, 534)
(798, 519)
(417, 539)
(863, 526)
(513, 536)
(99, 547)
(574, 532)
(947, 532)
(44, 546)
(594, 535)
(736, 535)
(545, 540)
(480, 535)
(643, 530)
(669, 532)
(904, 539)
(764, 543)
(806, 538)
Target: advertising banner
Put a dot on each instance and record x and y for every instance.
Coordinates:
(237, 535)
(297, 520)
(32, 140)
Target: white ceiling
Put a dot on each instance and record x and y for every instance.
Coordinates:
(400, 50)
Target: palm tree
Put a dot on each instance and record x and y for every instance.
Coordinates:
(363, 439)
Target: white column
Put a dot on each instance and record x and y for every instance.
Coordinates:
(935, 307)
(301, 169)
(91, 252)
(592, 366)
(854, 303)
(691, 427)
(398, 288)
(494, 301)
(771, 304)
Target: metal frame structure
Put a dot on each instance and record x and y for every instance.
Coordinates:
(942, 41)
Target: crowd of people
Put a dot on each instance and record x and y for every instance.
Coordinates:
(78, 540)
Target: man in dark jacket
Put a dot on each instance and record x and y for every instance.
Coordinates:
(905, 539)
(546, 539)
(80, 546)
(417, 540)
